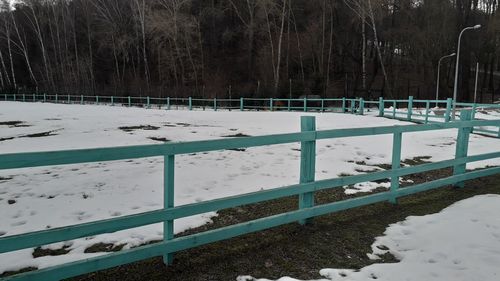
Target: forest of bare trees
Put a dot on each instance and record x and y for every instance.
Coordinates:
(271, 48)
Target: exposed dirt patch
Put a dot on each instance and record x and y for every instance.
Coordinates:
(40, 252)
(160, 139)
(104, 247)
(238, 149)
(138, 127)
(39, 135)
(5, 178)
(10, 273)
(13, 124)
(238, 135)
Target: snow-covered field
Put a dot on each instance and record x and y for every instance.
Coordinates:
(462, 242)
(47, 197)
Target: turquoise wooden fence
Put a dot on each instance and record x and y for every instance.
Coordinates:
(305, 190)
(413, 110)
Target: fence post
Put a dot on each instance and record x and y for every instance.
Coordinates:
(44, 97)
(343, 105)
(241, 104)
(14, 96)
(147, 102)
(34, 97)
(215, 104)
(24, 97)
(5, 96)
(427, 108)
(361, 110)
(353, 105)
(381, 107)
(396, 164)
(271, 104)
(168, 202)
(462, 146)
(168, 103)
(410, 108)
(57, 98)
(473, 117)
(307, 163)
(447, 115)
(289, 103)
(97, 99)
(190, 101)
(305, 104)
(322, 105)
(112, 101)
(394, 109)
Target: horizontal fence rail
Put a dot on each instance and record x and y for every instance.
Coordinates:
(305, 190)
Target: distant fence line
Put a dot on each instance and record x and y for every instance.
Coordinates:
(305, 190)
(419, 111)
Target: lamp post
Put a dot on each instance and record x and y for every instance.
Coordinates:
(455, 88)
(438, 71)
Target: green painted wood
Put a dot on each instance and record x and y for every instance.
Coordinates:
(24, 98)
(168, 202)
(129, 101)
(343, 105)
(462, 145)
(241, 104)
(410, 108)
(271, 104)
(396, 163)
(168, 103)
(322, 105)
(33, 239)
(190, 103)
(361, 106)
(307, 162)
(447, 114)
(288, 104)
(34, 98)
(305, 104)
(447, 181)
(35, 159)
(381, 107)
(215, 104)
(44, 97)
(427, 108)
(56, 98)
(148, 104)
(394, 109)
(68, 99)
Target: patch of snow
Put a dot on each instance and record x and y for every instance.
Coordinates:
(461, 243)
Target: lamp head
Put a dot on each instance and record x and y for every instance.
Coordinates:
(477, 26)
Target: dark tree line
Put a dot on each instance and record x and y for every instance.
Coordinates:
(272, 48)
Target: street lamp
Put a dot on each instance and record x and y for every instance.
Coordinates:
(438, 71)
(455, 88)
